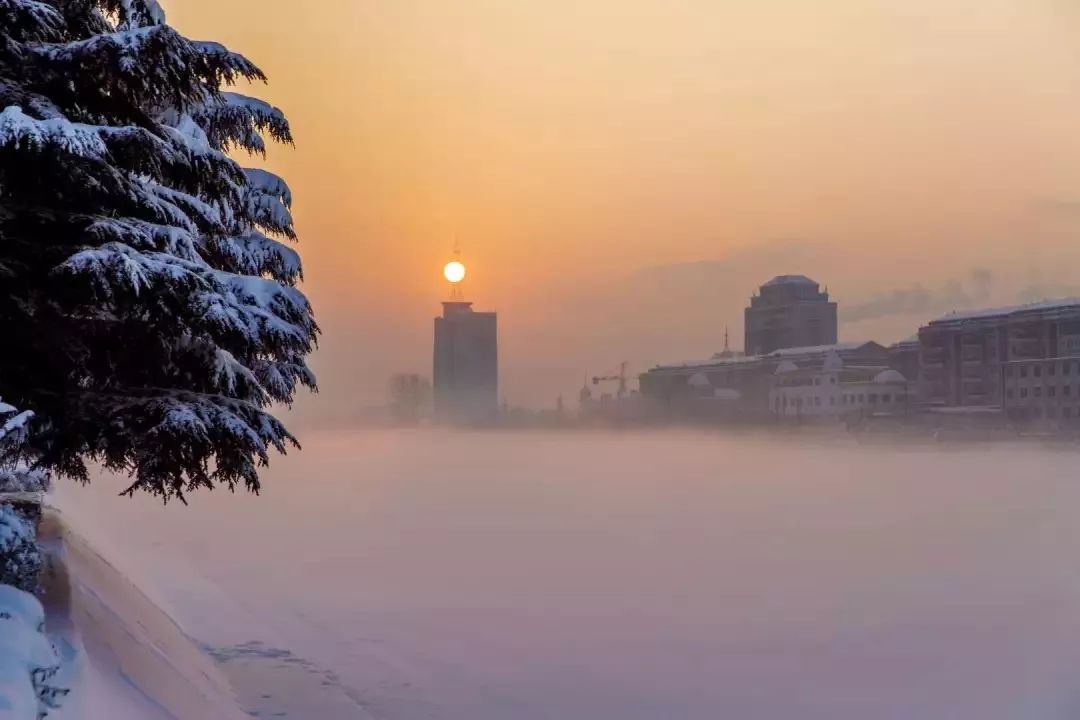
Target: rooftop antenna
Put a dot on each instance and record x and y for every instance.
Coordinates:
(456, 293)
(727, 348)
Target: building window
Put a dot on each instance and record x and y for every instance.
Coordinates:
(1037, 371)
(1051, 391)
(1023, 371)
(873, 398)
(1052, 369)
(817, 401)
(1066, 368)
(1037, 391)
(886, 398)
(832, 401)
(1023, 392)
(1066, 390)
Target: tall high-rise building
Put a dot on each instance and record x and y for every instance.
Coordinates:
(466, 373)
(789, 311)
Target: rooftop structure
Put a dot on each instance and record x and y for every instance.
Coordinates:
(1043, 308)
(845, 350)
(789, 311)
(791, 280)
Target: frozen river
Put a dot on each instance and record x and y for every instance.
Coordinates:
(615, 577)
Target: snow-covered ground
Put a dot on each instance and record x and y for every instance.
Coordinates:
(621, 577)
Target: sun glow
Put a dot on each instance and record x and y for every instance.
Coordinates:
(454, 271)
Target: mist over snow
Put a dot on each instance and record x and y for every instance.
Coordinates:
(613, 577)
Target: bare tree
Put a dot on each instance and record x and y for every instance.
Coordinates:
(410, 397)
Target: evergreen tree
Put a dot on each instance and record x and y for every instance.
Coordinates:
(148, 309)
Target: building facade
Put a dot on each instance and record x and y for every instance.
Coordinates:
(837, 392)
(789, 311)
(466, 365)
(742, 388)
(1043, 392)
(904, 357)
(962, 356)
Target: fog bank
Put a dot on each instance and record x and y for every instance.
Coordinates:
(431, 575)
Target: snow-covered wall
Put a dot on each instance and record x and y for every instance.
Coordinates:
(124, 658)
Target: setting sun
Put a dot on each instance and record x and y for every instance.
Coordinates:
(454, 271)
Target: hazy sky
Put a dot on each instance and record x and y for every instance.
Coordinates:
(623, 173)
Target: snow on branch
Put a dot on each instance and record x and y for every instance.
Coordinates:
(142, 234)
(231, 119)
(191, 428)
(252, 310)
(151, 65)
(13, 429)
(20, 557)
(268, 183)
(20, 131)
(15, 476)
(137, 13)
(191, 206)
(252, 253)
(23, 481)
(280, 379)
(229, 66)
(115, 266)
(269, 212)
(258, 310)
(30, 20)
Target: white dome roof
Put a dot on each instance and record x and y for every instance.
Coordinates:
(699, 380)
(790, 280)
(785, 367)
(889, 376)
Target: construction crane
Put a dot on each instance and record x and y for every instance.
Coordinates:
(620, 378)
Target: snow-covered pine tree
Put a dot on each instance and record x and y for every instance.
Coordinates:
(148, 310)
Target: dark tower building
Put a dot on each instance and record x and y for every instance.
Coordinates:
(466, 372)
(789, 311)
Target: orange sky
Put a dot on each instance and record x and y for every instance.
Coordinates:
(623, 173)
